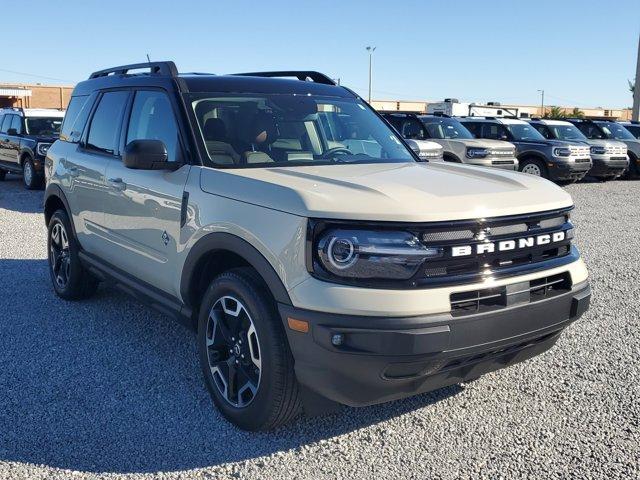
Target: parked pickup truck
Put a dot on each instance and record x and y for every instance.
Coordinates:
(319, 259)
(25, 136)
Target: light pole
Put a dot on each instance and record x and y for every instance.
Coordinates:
(370, 50)
(542, 103)
(635, 113)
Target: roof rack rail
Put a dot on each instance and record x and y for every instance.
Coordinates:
(440, 114)
(162, 68)
(303, 75)
(398, 112)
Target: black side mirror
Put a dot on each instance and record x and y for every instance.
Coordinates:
(12, 131)
(147, 155)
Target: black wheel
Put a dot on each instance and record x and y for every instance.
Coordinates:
(3, 174)
(71, 280)
(533, 166)
(633, 171)
(32, 180)
(244, 354)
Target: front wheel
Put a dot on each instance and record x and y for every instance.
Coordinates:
(30, 177)
(533, 167)
(244, 354)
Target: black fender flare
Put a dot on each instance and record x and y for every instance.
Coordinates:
(232, 243)
(54, 190)
(532, 154)
(453, 156)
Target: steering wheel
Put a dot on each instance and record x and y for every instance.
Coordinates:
(335, 150)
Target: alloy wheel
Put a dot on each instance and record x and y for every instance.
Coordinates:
(532, 169)
(60, 258)
(28, 173)
(233, 351)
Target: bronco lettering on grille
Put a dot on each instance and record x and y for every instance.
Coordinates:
(506, 245)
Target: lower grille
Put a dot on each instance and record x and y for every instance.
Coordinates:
(490, 299)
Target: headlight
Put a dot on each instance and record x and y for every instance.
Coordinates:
(477, 152)
(561, 152)
(430, 154)
(42, 148)
(369, 254)
(598, 150)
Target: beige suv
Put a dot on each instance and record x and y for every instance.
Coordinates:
(319, 259)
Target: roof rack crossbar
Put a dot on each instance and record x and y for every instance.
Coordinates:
(303, 75)
(159, 68)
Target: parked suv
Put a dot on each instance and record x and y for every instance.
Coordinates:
(608, 129)
(25, 136)
(557, 160)
(458, 143)
(319, 259)
(633, 127)
(609, 157)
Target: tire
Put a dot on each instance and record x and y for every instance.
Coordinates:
(70, 279)
(3, 174)
(237, 307)
(32, 181)
(633, 171)
(533, 166)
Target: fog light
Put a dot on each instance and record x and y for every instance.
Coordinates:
(337, 339)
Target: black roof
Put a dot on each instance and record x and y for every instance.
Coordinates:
(164, 74)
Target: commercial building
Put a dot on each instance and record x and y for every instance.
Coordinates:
(34, 95)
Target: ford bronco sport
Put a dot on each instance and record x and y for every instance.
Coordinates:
(610, 130)
(25, 136)
(609, 157)
(558, 160)
(320, 261)
(459, 144)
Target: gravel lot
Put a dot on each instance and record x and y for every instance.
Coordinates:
(107, 388)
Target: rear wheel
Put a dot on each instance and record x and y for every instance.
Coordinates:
(30, 177)
(533, 166)
(70, 279)
(244, 354)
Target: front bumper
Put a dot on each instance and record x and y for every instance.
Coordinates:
(608, 166)
(382, 359)
(571, 169)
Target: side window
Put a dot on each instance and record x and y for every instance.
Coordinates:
(105, 124)
(16, 124)
(76, 117)
(152, 118)
(6, 122)
(544, 131)
(412, 129)
(474, 128)
(491, 130)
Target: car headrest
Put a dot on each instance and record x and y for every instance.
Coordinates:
(215, 129)
(261, 129)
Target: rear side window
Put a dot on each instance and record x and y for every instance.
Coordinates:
(6, 122)
(75, 118)
(544, 131)
(106, 121)
(473, 128)
(152, 118)
(16, 124)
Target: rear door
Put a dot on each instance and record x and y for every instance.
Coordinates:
(4, 137)
(16, 129)
(85, 166)
(143, 212)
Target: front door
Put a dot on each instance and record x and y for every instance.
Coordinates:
(143, 212)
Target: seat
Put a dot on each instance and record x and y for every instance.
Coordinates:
(215, 136)
(260, 134)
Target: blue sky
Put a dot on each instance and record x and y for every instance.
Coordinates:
(580, 52)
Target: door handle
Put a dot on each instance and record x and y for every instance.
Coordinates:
(117, 184)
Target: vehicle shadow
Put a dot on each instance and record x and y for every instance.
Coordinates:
(106, 385)
(14, 196)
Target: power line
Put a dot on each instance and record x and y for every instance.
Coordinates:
(37, 76)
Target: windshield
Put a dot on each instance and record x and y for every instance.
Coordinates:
(523, 132)
(617, 131)
(263, 130)
(442, 127)
(45, 126)
(566, 132)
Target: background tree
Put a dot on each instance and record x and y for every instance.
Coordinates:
(577, 113)
(554, 112)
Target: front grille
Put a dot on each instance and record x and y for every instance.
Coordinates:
(502, 153)
(580, 151)
(495, 298)
(489, 248)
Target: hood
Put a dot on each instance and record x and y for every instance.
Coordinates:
(484, 143)
(606, 143)
(423, 145)
(411, 192)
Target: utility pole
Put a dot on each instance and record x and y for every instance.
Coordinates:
(542, 103)
(370, 50)
(635, 113)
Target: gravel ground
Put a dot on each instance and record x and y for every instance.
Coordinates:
(107, 388)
